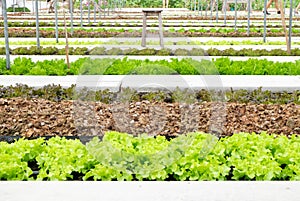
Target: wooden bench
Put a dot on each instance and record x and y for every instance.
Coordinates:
(238, 2)
(152, 12)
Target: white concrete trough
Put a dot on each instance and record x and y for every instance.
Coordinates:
(95, 82)
(73, 58)
(150, 191)
(211, 82)
(144, 83)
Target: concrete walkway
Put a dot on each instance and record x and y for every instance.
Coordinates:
(161, 82)
(150, 191)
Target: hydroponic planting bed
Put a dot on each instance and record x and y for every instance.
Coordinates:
(103, 33)
(194, 156)
(38, 117)
(70, 110)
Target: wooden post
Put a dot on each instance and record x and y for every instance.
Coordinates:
(161, 37)
(284, 27)
(144, 33)
(67, 42)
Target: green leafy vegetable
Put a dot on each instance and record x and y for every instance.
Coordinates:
(120, 156)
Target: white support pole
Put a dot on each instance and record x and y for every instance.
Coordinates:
(24, 6)
(89, 11)
(95, 12)
(99, 6)
(32, 6)
(265, 21)
(248, 17)
(235, 14)
(290, 25)
(56, 21)
(71, 15)
(225, 11)
(211, 9)
(217, 11)
(37, 23)
(81, 13)
(6, 34)
(13, 6)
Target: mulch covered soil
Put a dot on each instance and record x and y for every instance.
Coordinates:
(39, 117)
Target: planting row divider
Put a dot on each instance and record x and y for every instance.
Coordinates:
(166, 39)
(73, 58)
(151, 190)
(115, 83)
(172, 47)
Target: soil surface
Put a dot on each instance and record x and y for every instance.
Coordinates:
(39, 117)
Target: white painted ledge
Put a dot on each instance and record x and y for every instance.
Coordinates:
(161, 82)
(172, 47)
(150, 191)
(166, 39)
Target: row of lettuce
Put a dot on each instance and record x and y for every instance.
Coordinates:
(125, 66)
(59, 93)
(106, 32)
(196, 51)
(194, 26)
(114, 41)
(120, 156)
